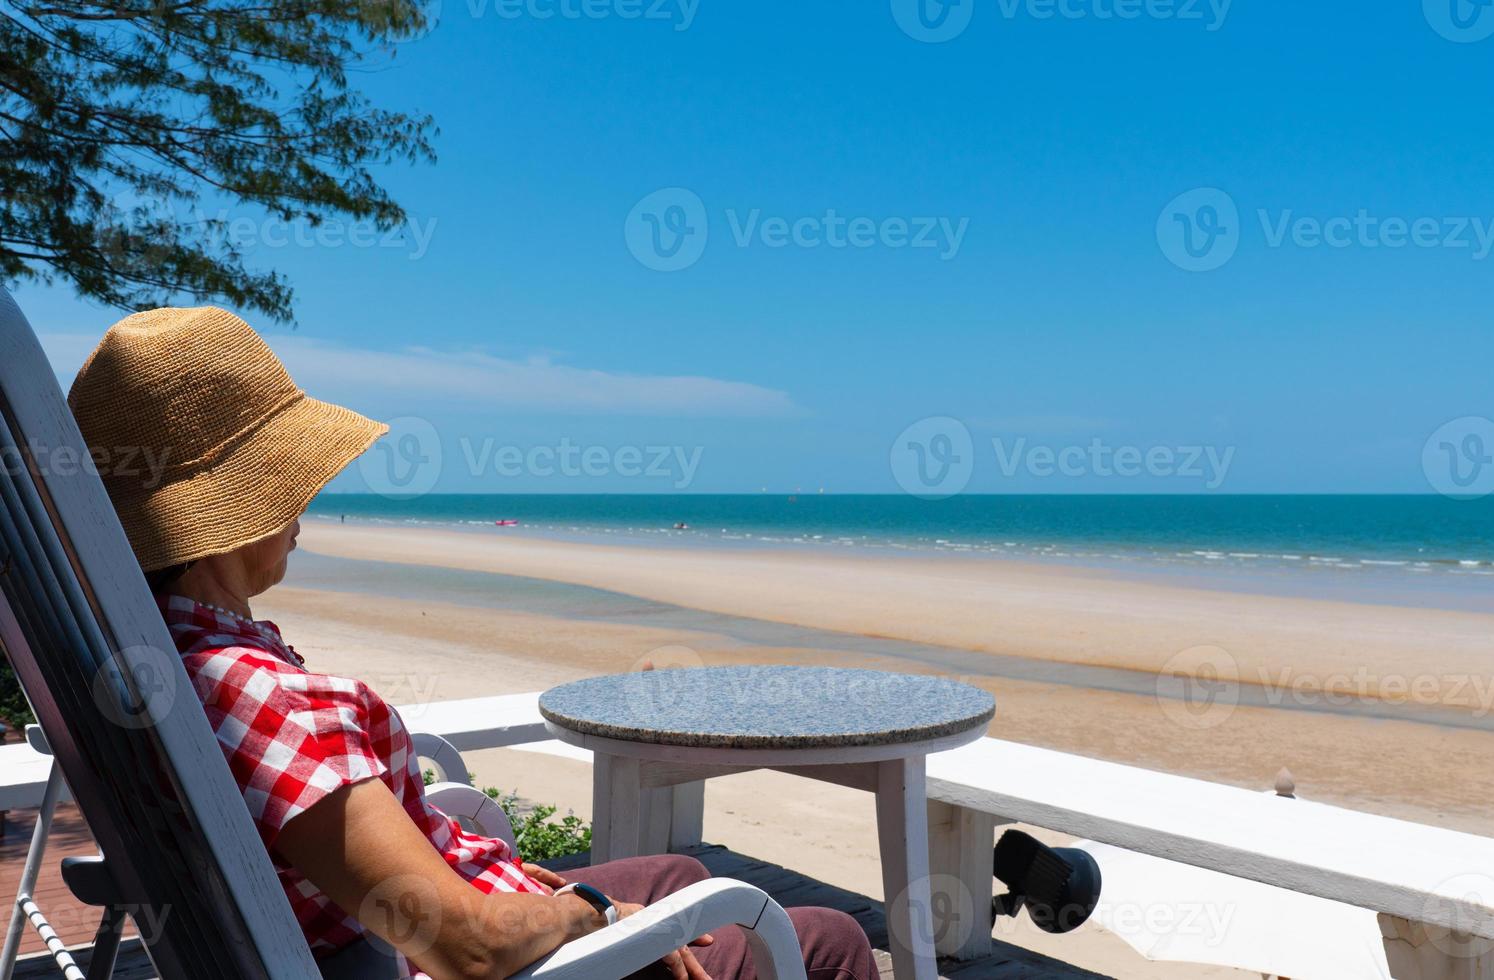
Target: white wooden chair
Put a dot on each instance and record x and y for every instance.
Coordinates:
(26, 911)
(135, 749)
(454, 795)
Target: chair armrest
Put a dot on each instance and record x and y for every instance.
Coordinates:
(469, 803)
(670, 923)
(37, 739)
(448, 760)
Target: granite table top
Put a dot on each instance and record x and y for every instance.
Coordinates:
(768, 707)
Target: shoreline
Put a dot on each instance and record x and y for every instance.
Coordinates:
(1452, 585)
(1292, 647)
(1414, 550)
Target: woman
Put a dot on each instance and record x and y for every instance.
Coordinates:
(327, 769)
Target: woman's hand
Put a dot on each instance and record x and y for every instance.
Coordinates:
(544, 876)
(681, 964)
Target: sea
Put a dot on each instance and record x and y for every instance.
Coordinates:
(1396, 548)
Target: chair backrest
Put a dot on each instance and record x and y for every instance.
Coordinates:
(100, 670)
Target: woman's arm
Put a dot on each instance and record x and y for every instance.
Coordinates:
(360, 847)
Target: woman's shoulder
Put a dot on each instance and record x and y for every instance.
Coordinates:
(231, 659)
(248, 680)
(219, 655)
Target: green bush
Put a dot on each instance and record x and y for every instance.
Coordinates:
(539, 838)
(14, 710)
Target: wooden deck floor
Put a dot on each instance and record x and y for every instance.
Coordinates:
(75, 922)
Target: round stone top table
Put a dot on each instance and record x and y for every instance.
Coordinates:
(769, 707)
(656, 736)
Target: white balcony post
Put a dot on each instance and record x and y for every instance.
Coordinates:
(960, 879)
(1418, 951)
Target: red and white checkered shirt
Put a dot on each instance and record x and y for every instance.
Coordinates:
(293, 737)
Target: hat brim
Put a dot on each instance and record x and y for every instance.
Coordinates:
(258, 487)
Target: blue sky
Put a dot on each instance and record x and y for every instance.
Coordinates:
(1017, 260)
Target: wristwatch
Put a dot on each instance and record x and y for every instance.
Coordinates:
(594, 898)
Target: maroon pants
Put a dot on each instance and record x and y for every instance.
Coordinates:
(833, 944)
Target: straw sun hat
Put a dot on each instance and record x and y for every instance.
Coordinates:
(203, 441)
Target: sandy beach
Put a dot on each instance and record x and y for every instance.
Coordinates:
(1058, 613)
(1376, 707)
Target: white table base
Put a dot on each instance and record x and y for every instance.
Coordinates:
(643, 807)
